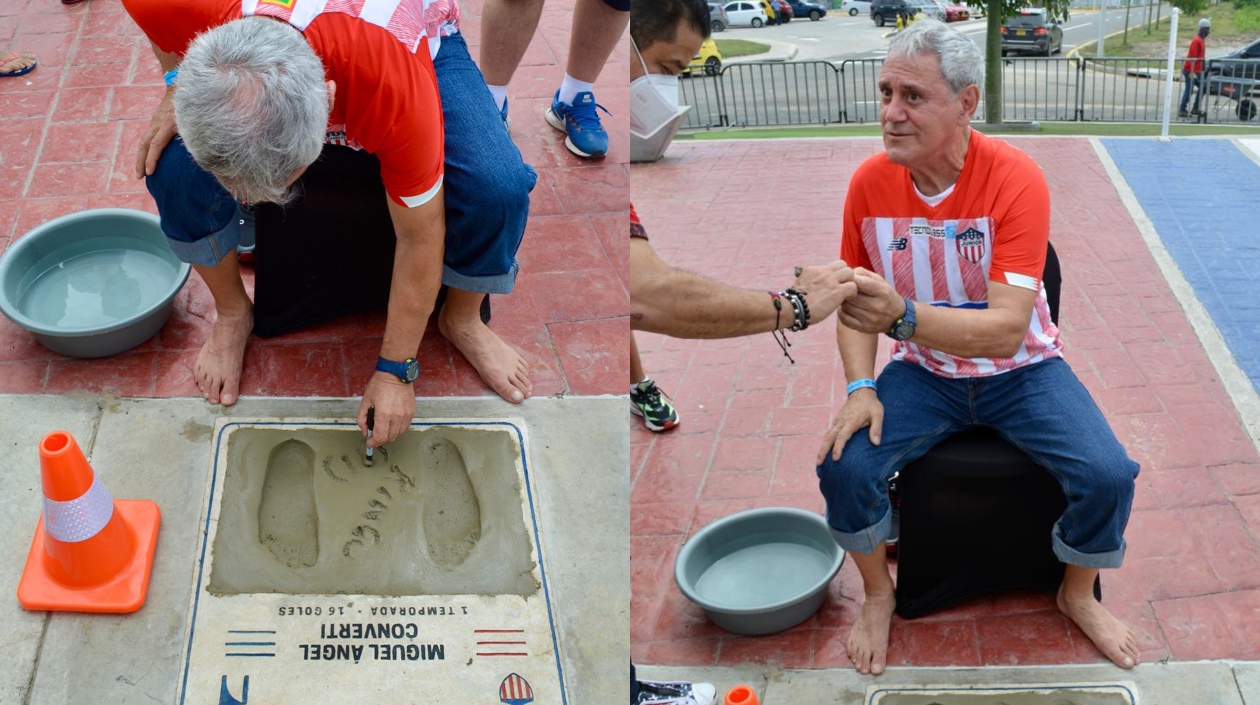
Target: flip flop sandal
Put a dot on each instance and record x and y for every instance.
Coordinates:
(20, 72)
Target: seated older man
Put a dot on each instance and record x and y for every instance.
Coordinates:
(955, 225)
(258, 93)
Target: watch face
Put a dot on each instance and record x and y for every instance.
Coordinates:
(903, 330)
(413, 371)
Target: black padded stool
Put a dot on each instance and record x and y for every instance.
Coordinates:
(329, 254)
(976, 515)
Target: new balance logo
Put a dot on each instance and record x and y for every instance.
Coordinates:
(898, 244)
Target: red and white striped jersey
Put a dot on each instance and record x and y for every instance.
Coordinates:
(408, 20)
(386, 100)
(994, 226)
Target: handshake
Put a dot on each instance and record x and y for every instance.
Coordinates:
(864, 300)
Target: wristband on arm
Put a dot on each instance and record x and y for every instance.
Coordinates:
(857, 384)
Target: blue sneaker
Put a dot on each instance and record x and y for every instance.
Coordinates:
(580, 121)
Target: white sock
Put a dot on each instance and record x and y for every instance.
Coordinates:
(571, 87)
(500, 95)
(638, 386)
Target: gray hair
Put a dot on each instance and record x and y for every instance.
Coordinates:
(962, 64)
(252, 107)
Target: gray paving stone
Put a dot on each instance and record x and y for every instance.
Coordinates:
(1157, 684)
(160, 450)
(1247, 675)
(24, 421)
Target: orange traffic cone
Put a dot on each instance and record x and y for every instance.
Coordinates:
(91, 553)
(741, 695)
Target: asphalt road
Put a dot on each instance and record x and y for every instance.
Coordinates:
(838, 37)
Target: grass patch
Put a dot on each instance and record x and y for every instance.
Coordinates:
(1075, 129)
(732, 48)
(1231, 29)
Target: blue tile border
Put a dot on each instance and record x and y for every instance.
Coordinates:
(1203, 197)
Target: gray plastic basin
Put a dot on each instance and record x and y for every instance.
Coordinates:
(91, 284)
(761, 571)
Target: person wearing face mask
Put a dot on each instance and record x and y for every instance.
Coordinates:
(664, 36)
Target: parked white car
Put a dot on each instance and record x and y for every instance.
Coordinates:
(746, 14)
(856, 7)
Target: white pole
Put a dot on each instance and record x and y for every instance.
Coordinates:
(1102, 23)
(1168, 80)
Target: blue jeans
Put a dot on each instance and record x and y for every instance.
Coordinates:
(1042, 409)
(1190, 80)
(486, 182)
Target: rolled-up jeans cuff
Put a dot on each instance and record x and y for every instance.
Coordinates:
(1071, 556)
(865, 540)
(491, 284)
(211, 249)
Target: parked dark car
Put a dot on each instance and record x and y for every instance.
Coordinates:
(1236, 76)
(885, 11)
(807, 9)
(1032, 32)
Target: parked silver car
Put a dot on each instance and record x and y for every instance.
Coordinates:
(718, 19)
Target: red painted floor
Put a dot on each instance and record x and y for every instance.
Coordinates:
(71, 128)
(746, 212)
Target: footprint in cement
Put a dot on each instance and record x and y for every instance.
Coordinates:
(288, 524)
(449, 509)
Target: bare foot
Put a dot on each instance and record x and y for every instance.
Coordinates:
(868, 639)
(499, 365)
(1109, 634)
(218, 368)
(11, 62)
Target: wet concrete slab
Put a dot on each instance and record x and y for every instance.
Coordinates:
(162, 450)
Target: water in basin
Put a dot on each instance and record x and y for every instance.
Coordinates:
(95, 288)
(763, 574)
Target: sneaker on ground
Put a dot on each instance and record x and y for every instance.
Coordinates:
(676, 693)
(580, 121)
(647, 400)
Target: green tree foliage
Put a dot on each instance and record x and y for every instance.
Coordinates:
(997, 11)
(1192, 7)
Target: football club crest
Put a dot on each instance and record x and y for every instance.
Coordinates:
(971, 245)
(515, 690)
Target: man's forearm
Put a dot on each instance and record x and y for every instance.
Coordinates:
(417, 278)
(686, 305)
(857, 352)
(168, 61)
(995, 333)
(417, 275)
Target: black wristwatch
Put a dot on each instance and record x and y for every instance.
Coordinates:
(903, 328)
(407, 370)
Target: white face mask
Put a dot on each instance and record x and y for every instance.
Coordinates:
(654, 112)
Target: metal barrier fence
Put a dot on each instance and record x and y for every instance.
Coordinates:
(1033, 89)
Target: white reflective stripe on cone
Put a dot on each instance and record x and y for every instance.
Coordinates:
(79, 519)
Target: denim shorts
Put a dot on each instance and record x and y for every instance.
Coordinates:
(486, 182)
(1041, 408)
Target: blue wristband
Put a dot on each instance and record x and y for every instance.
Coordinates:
(859, 384)
(170, 76)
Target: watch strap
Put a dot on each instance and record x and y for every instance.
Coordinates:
(398, 369)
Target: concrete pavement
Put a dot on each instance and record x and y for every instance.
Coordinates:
(160, 449)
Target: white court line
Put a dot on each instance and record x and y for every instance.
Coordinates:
(1235, 381)
(1249, 146)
